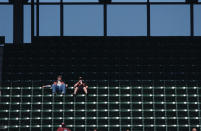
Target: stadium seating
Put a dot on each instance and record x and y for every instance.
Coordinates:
(100, 58)
(111, 105)
(139, 84)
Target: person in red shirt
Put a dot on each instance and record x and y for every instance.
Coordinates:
(63, 128)
(80, 85)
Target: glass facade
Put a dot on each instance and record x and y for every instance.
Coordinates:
(49, 0)
(90, 18)
(35, 21)
(129, 0)
(4, 1)
(27, 24)
(80, 0)
(170, 20)
(197, 20)
(6, 22)
(49, 20)
(83, 20)
(167, 0)
(127, 20)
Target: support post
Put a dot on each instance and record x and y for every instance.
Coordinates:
(18, 20)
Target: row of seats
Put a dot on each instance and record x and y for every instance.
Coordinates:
(108, 83)
(139, 84)
(102, 76)
(106, 107)
(104, 58)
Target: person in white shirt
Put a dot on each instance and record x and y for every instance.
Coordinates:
(58, 86)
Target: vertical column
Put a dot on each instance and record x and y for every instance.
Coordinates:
(42, 110)
(31, 107)
(20, 114)
(108, 106)
(97, 106)
(191, 2)
(53, 104)
(148, 19)
(120, 118)
(64, 103)
(192, 19)
(18, 21)
(131, 106)
(198, 100)
(142, 98)
(187, 101)
(37, 18)
(1, 62)
(9, 119)
(86, 103)
(176, 95)
(105, 19)
(61, 18)
(105, 2)
(74, 113)
(165, 101)
(154, 104)
(32, 19)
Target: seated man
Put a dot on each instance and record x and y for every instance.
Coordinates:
(58, 86)
(80, 85)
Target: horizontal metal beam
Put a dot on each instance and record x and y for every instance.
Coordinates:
(97, 3)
